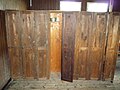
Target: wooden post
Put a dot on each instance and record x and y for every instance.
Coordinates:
(111, 3)
(84, 5)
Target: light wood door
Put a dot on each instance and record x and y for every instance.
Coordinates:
(55, 28)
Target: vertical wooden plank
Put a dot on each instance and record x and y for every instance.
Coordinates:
(1, 54)
(115, 43)
(9, 35)
(28, 43)
(112, 46)
(77, 44)
(20, 31)
(14, 32)
(41, 43)
(14, 40)
(42, 60)
(40, 32)
(2, 50)
(17, 30)
(8, 17)
(5, 52)
(28, 57)
(84, 5)
(81, 69)
(111, 3)
(68, 35)
(4, 61)
(48, 45)
(28, 29)
(40, 29)
(97, 43)
(14, 62)
(107, 64)
(5, 49)
(55, 30)
(89, 28)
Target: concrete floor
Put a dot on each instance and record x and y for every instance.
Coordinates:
(57, 84)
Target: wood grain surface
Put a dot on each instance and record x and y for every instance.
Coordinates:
(28, 42)
(55, 31)
(4, 60)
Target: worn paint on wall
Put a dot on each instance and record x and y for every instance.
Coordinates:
(13, 4)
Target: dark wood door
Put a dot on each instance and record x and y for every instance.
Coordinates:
(68, 36)
(4, 61)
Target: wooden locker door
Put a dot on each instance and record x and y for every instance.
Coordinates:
(55, 38)
(68, 36)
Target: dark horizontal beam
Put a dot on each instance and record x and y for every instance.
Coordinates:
(88, 0)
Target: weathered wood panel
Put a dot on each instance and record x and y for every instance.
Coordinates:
(28, 40)
(93, 36)
(55, 28)
(28, 62)
(26, 20)
(14, 42)
(14, 55)
(28, 44)
(112, 45)
(96, 32)
(68, 36)
(14, 34)
(4, 61)
(42, 55)
(81, 67)
(97, 44)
